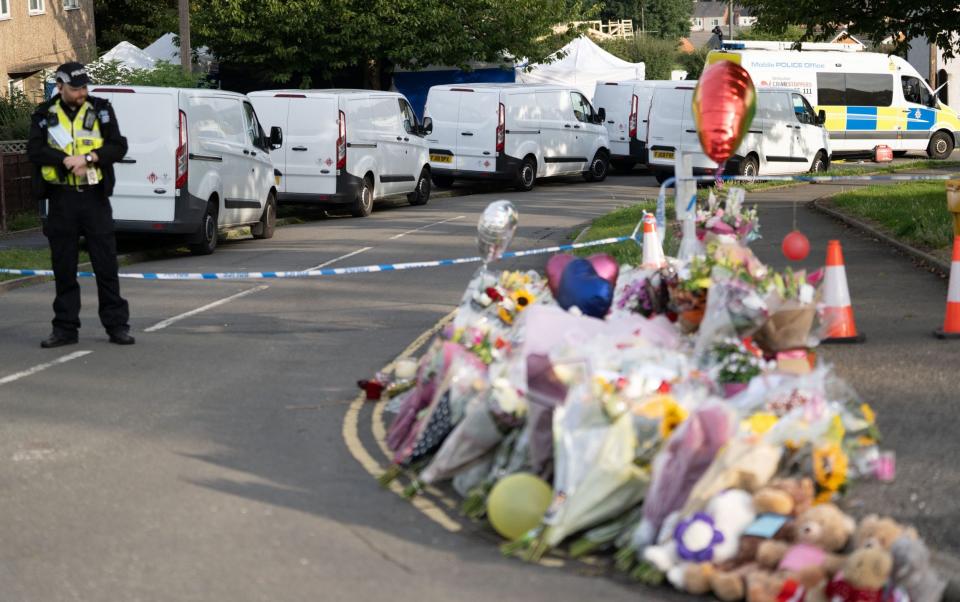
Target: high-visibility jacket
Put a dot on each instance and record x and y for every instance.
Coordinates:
(85, 133)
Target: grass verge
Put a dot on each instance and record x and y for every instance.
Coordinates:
(621, 222)
(914, 212)
(28, 259)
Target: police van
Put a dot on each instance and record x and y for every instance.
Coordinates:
(868, 98)
(347, 148)
(198, 163)
(785, 136)
(514, 133)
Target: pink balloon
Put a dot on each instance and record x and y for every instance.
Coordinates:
(555, 266)
(606, 267)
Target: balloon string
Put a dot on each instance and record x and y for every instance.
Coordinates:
(718, 175)
(794, 214)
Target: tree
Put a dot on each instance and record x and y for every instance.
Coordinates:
(759, 32)
(667, 19)
(139, 22)
(936, 20)
(290, 40)
(659, 57)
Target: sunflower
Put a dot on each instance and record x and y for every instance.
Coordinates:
(522, 299)
(505, 315)
(830, 467)
(673, 416)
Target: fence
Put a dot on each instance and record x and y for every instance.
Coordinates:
(610, 29)
(15, 174)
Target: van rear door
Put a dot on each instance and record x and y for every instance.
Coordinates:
(616, 100)
(477, 135)
(665, 133)
(443, 107)
(311, 142)
(145, 188)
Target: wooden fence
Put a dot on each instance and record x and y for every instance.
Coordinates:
(15, 187)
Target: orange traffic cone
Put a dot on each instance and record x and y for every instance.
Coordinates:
(951, 323)
(838, 316)
(652, 249)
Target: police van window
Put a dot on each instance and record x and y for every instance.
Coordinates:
(914, 91)
(408, 116)
(855, 89)
(581, 107)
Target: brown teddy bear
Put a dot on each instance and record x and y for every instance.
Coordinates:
(863, 578)
(785, 497)
(874, 531)
(809, 559)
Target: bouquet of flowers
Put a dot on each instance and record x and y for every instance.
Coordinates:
(735, 365)
(727, 217)
(512, 293)
(792, 301)
(648, 296)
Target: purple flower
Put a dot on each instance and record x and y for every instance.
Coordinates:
(696, 537)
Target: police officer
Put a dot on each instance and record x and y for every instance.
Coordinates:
(74, 142)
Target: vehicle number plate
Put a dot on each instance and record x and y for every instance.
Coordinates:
(441, 158)
(663, 154)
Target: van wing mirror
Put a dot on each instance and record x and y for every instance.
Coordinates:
(427, 128)
(276, 137)
(821, 117)
(602, 114)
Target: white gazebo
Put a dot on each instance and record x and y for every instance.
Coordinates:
(583, 65)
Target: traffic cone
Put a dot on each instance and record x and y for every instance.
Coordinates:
(951, 323)
(652, 249)
(838, 315)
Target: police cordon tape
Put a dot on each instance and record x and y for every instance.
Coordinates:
(364, 269)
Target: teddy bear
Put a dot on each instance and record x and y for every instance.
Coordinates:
(809, 559)
(863, 578)
(703, 537)
(912, 570)
(780, 498)
(874, 531)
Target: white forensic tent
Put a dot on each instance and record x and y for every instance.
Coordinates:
(583, 65)
(128, 56)
(166, 49)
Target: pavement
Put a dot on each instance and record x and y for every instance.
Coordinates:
(208, 462)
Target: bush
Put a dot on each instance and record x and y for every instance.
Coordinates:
(694, 62)
(15, 111)
(659, 56)
(164, 74)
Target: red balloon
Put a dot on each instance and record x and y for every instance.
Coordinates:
(723, 106)
(795, 246)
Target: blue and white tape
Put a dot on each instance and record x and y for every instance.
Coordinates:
(364, 269)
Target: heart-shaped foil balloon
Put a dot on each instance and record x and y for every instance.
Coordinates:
(723, 107)
(581, 286)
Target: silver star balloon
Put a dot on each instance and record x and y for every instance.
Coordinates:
(495, 229)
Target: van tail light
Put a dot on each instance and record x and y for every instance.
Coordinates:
(181, 157)
(342, 142)
(634, 109)
(501, 128)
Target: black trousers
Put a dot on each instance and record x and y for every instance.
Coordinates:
(72, 213)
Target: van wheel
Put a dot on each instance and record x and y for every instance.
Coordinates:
(268, 220)
(421, 194)
(661, 176)
(748, 168)
(208, 232)
(442, 181)
(363, 204)
(527, 175)
(941, 145)
(899, 154)
(819, 164)
(598, 168)
(624, 165)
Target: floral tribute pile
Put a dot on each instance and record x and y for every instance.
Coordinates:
(676, 420)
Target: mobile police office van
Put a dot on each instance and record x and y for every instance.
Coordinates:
(198, 162)
(627, 107)
(514, 133)
(347, 148)
(868, 98)
(785, 137)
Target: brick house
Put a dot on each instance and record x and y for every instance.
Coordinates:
(41, 34)
(707, 15)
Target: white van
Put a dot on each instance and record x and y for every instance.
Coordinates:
(627, 106)
(514, 133)
(198, 162)
(785, 137)
(347, 147)
(868, 98)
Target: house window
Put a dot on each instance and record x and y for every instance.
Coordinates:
(4, 9)
(35, 7)
(71, 4)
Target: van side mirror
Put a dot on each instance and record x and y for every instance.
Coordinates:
(427, 128)
(821, 117)
(601, 114)
(276, 137)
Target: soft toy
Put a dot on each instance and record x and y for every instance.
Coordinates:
(874, 531)
(912, 571)
(773, 503)
(819, 533)
(862, 579)
(704, 537)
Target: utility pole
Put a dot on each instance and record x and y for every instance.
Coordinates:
(933, 65)
(730, 33)
(185, 53)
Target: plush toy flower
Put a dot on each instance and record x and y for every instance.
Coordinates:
(696, 538)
